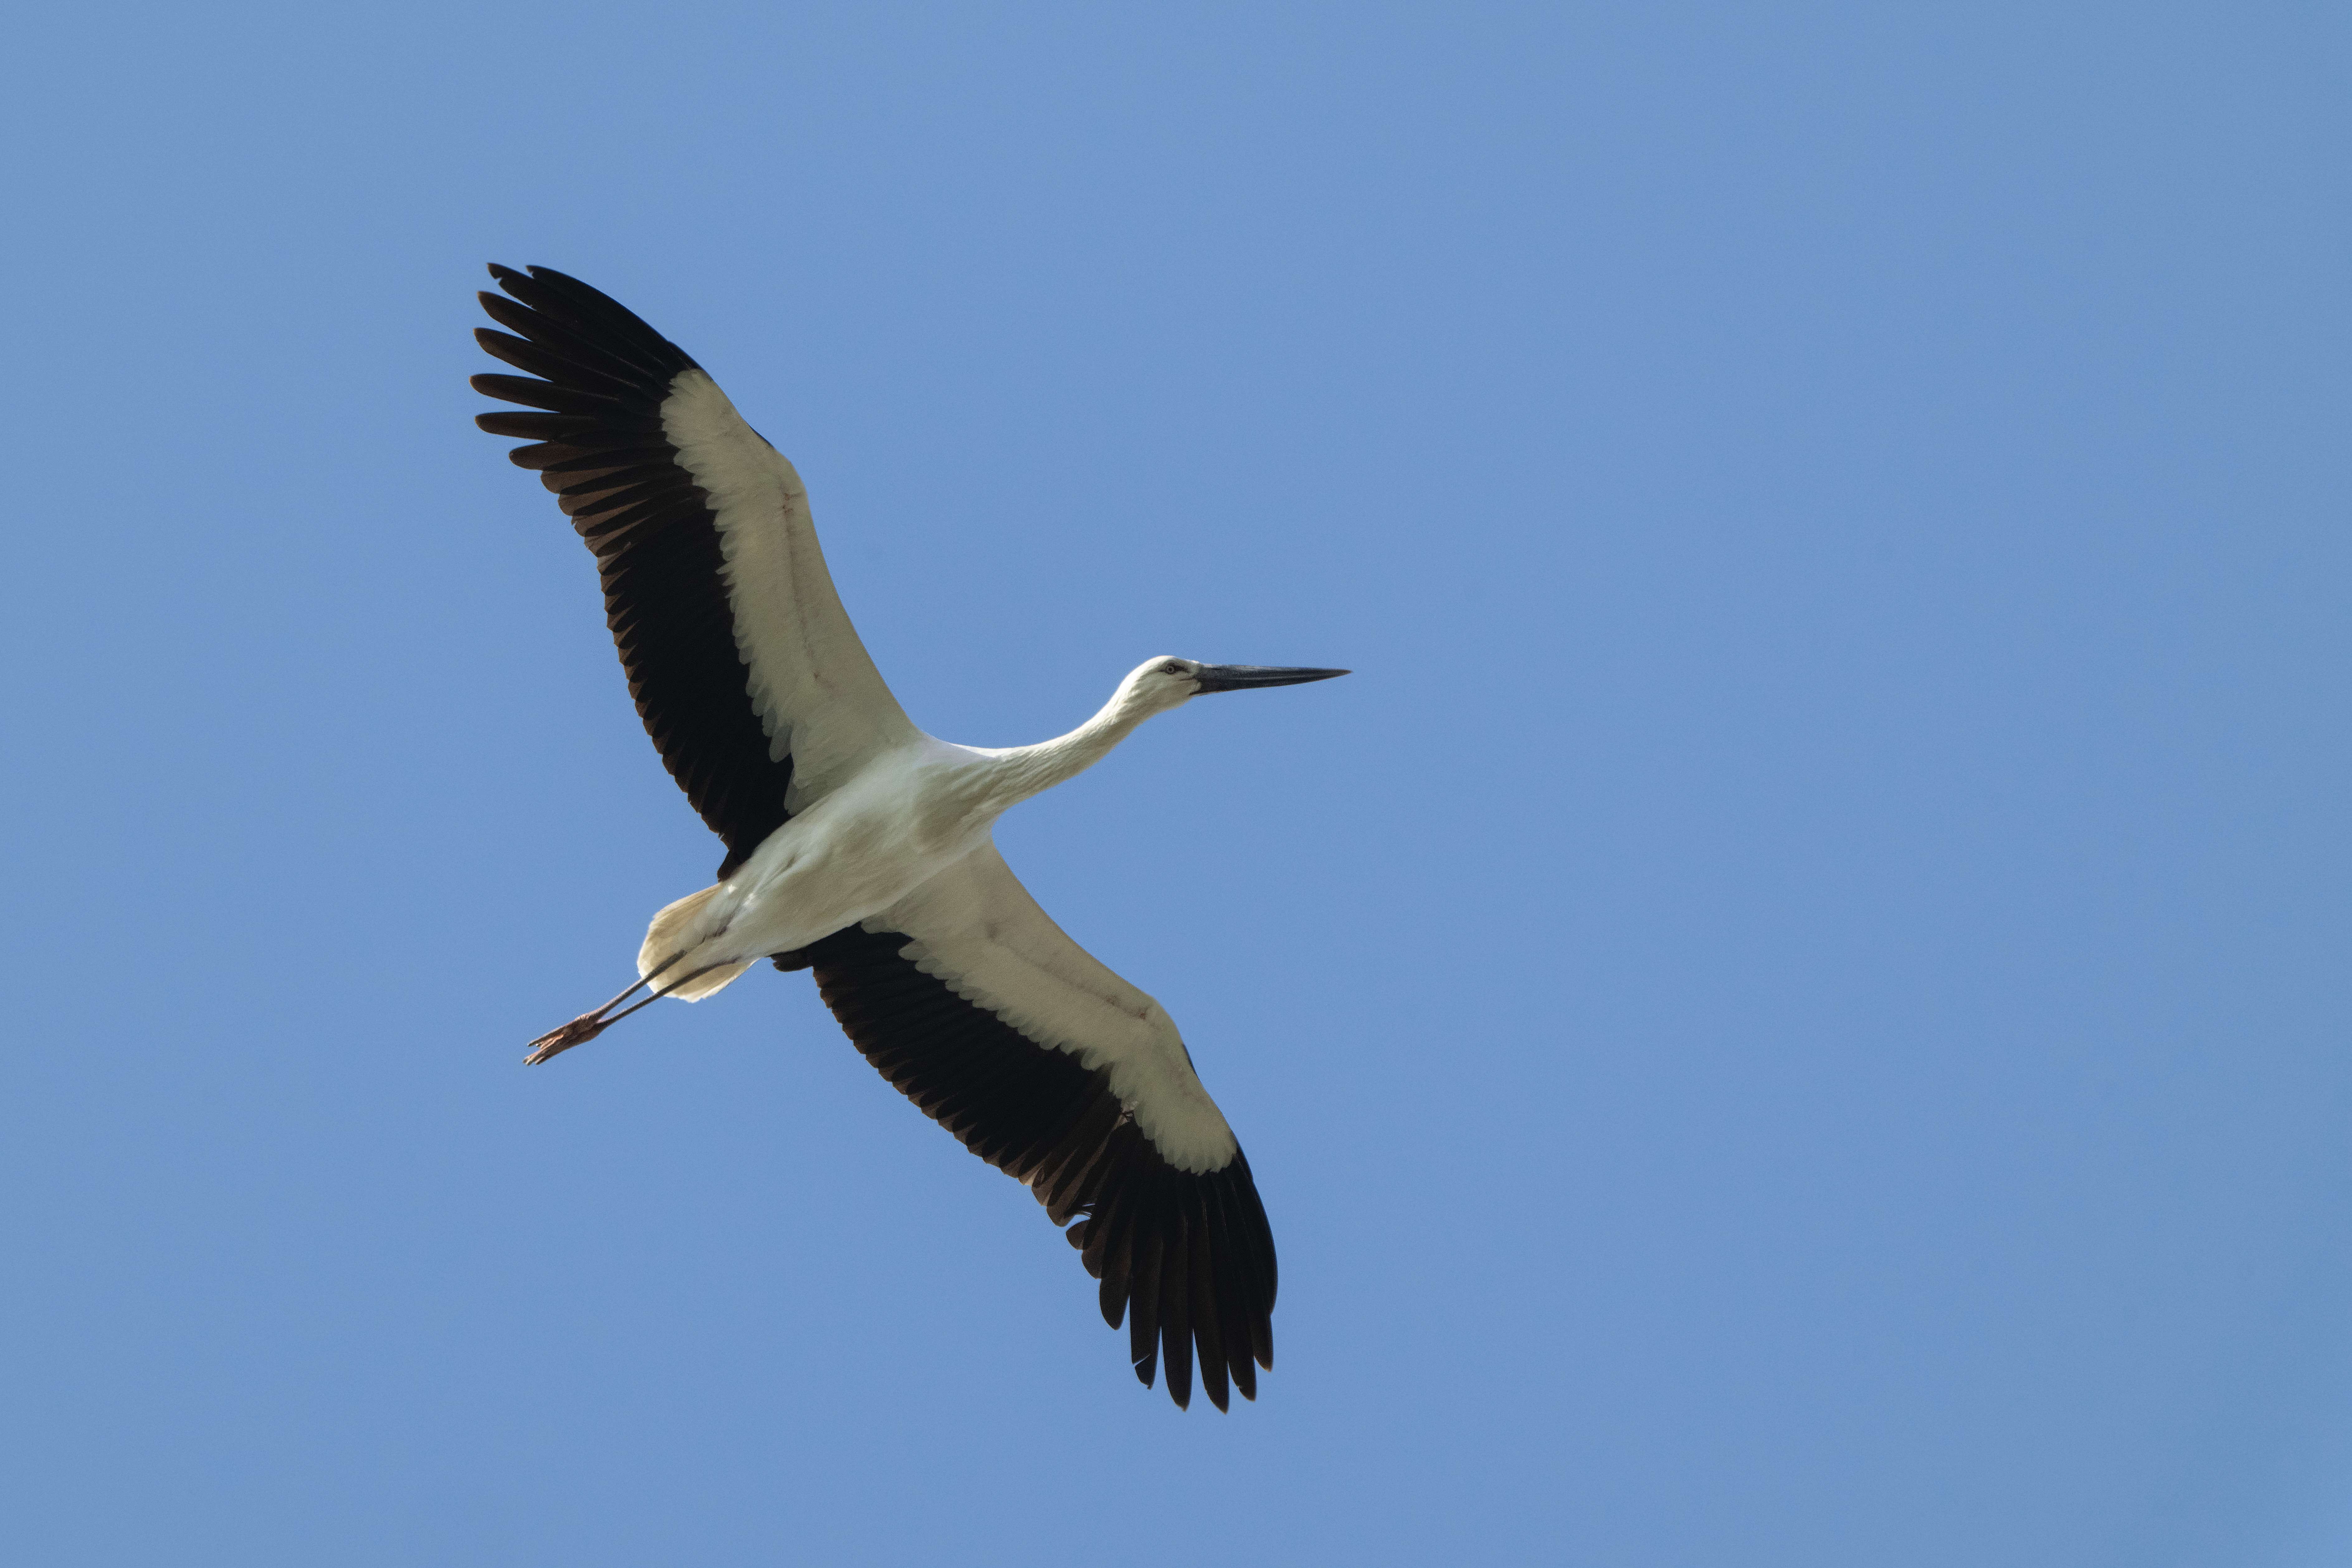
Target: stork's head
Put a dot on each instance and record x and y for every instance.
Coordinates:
(1159, 684)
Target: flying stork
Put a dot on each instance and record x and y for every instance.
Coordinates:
(858, 847)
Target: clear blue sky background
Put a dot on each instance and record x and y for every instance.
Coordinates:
(1792, 1013)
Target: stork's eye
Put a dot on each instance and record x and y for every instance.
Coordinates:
(1172, 668)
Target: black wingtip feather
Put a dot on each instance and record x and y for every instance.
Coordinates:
(1176, 1311)
(1143, 1305)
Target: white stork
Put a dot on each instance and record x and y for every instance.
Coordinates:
(859, 847)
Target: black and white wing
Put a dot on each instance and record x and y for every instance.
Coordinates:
(745, 668)
(1051, 1067)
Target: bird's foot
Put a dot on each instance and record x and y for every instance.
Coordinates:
(580, 1030)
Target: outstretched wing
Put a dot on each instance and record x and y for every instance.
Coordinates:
(1056, 1071)
(745, 668)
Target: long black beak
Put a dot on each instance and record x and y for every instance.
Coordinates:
(1245, 677)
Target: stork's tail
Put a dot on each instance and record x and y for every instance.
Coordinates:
(676, 931)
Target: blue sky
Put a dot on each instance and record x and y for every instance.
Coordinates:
(1791, 1013)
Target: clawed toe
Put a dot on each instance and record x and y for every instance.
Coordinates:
(585, 1027)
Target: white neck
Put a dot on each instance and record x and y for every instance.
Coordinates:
(1021, 772)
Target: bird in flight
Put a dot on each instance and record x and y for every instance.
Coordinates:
(860, 849)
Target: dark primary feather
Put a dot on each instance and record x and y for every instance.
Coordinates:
(602, 374)
(1185, 1258)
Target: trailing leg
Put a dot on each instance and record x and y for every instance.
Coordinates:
(588, 1026)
